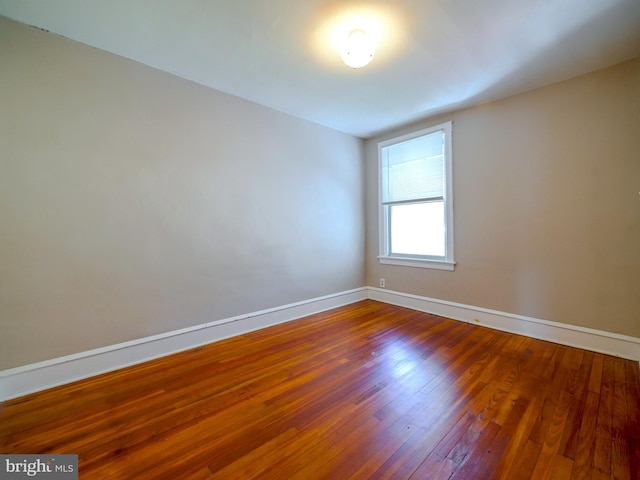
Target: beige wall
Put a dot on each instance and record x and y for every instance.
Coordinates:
(133, 202)
(547, 205)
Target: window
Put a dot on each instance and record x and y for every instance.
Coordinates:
(416, 207)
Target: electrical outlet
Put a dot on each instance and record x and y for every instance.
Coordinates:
(382, 283)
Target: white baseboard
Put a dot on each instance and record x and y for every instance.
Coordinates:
(19, 381)
(31, 378)
(570, 335)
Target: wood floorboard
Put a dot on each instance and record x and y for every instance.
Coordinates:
(365, 391)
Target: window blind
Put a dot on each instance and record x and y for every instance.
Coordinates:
(414, 169)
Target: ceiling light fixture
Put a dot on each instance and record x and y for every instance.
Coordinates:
(358, 48)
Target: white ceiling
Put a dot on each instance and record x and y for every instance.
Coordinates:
(433, 56)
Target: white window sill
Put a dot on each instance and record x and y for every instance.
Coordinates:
(419, 263)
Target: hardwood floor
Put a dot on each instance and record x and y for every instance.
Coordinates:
(364, 391)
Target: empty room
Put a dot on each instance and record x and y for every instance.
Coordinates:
(323, 239)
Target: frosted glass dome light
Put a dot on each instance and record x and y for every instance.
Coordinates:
(358, 48)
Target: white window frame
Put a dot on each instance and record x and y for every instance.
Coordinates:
(447, 262)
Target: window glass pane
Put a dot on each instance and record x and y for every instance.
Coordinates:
(417, 229)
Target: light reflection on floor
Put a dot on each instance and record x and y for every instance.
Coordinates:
(407, 366)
